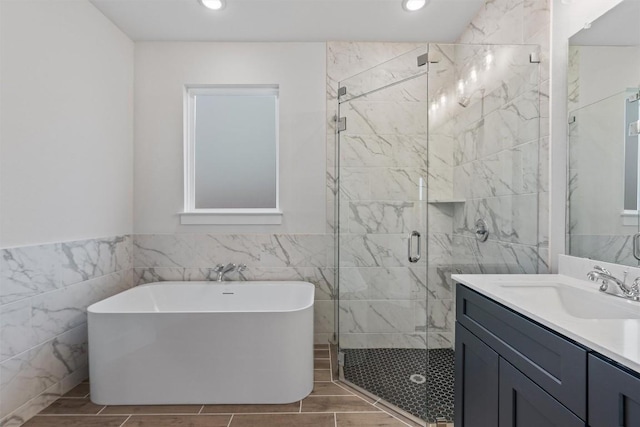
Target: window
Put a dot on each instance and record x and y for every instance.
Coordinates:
(231, 155)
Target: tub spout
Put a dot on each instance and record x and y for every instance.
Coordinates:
(223, 269)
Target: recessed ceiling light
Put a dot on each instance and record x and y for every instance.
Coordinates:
(413, 5)
(212, 4)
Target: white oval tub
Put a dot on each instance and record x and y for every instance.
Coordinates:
(202, 343)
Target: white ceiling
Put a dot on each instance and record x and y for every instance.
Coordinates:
(290, 20)
(618, 27)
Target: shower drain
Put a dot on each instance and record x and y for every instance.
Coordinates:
(418, 379)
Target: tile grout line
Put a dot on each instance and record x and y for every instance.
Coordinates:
(122, 414)
(366, 401)
(125, 421)
(335, 419)
(300, 410)
(344, 388)
(201, 409)
(230, 419)
(100, 411)
(346, 411)
(331, 395)
(169, 414)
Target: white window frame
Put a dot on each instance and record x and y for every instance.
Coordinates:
(191, 215)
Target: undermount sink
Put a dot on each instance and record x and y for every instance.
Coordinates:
(573, 301)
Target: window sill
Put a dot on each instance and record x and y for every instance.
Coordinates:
(630, 218)
(232, 217)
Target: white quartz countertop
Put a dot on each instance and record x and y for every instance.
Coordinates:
(572, 307)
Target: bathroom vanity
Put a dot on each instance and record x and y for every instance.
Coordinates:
(544, 350)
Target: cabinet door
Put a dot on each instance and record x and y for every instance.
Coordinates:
(614, 395)
(476, 382)
(549, 360)
(524, 404)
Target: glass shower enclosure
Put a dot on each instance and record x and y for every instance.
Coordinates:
(432, 147)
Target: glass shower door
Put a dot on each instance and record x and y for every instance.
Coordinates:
(382, 263)
(432, 150)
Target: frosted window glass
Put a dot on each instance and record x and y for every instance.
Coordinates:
(235, 151)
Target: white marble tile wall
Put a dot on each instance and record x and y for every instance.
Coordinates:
(496, 152)
(347, 59)
(573, 77)
(501, 154)
(578, 268)
(617, 249)
(192, 256)
(44, 293)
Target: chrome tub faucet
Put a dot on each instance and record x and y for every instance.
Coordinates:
(222, 270)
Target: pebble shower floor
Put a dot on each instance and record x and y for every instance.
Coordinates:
(386, 372)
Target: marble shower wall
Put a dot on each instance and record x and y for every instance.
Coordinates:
(386, 173)
(495, 167)
(496, 161)
(192, 256)
(44, 293)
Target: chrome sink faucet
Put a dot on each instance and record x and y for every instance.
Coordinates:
(222, 270)
(602, 274)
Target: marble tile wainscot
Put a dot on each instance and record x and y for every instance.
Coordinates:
(44, 293)
(192, 257)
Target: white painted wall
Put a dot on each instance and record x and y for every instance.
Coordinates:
(567, 18)
(161, 71)
(605, 71)
(66, 123)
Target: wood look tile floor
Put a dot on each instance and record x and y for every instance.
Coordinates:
(330, 404)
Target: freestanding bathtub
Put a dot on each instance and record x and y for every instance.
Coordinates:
(202, 343)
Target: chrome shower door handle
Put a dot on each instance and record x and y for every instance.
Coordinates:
(412, 258)
(636, 246)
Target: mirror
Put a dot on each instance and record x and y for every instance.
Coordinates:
(604, 106)
(231, 149)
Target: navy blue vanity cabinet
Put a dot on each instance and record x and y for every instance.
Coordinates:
(513, 372)
(614, 395)
(523, 404)
(476, 382)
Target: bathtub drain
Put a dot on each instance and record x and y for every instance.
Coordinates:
(418, 379)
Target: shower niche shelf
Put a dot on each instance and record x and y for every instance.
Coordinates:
(441, 201)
